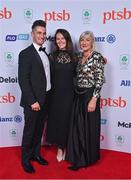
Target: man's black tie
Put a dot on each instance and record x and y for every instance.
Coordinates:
(42, 49)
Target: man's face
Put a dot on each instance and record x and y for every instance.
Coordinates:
(39, 35)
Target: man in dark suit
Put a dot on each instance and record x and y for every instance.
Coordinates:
(34, 81)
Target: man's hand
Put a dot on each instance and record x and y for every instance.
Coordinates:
(35, 107)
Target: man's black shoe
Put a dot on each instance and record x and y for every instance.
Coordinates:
(40, 160)
(28, 167)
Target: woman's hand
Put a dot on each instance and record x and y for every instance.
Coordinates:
(35, 106)
(92, 104)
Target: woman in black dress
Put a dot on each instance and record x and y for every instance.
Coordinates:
(84, 138)
(62, 92)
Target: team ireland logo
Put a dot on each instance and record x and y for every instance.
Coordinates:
(86, 15)
(28, 15)
(124, 61)
(9, 58)
(119, 139)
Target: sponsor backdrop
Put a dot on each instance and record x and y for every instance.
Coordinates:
(111, 23)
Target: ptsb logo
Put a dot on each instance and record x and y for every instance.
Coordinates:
(7, 98)
(17, 37)
(114, 16)
(124, 124)
(5, 14)
(119, 102)
(102, 137)
(57, 16)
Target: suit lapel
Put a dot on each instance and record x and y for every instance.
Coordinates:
(36, 55)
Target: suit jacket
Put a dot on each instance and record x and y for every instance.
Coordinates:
(31, 77)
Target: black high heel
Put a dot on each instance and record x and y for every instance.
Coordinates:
(76, 168)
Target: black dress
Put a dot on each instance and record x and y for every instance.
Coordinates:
(84, 138)
(61, 99)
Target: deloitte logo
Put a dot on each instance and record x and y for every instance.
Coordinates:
(8, 80)
(124, 61)
(86, 15)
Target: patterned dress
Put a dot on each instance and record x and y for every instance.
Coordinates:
(84, 138)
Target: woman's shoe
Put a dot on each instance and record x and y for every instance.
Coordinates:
(59, 156)
(74, 168)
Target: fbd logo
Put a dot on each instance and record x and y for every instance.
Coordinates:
(103, 121)
(125, 83)
(28, 15)
(13, 133)
(23, 36)
(124, 61)
(86, 15)
(9, 58)
(119, 139)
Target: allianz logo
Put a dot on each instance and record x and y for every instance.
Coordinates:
(124, 124)
(6, 119)
(16, 119)
(126, 83)
(8, 79)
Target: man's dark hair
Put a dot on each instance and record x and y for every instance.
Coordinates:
(39, 23)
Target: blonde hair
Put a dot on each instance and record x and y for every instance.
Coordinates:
(91, 35)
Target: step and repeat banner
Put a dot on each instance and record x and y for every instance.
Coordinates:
(110, 22)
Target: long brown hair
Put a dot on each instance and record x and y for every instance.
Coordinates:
(69, 44)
